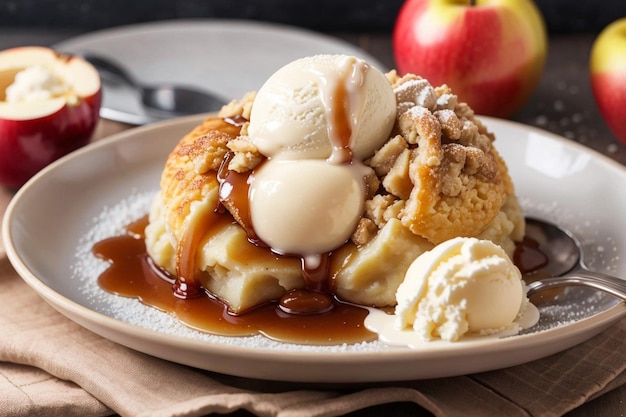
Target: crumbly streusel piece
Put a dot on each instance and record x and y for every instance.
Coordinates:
(246, 155)
(241, 107)
(442, 165)
(384, 159)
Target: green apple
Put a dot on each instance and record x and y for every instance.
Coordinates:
(490, 52)
(607, 68)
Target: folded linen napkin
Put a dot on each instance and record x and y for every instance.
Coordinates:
(51, 366)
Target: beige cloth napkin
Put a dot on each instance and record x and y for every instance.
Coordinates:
(51, 366)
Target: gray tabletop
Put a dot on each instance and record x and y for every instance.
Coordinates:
(563, 104)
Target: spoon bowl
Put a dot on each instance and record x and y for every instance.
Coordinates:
(565, 266)
(162, 101)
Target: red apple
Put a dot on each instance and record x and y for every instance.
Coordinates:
(490, 52)
(34, 131)
(608, 76)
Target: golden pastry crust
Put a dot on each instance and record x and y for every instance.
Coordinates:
(457, 189)
(442, 164)
(189, 175)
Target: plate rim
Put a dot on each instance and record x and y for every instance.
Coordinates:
(184, 23)
(210, 25)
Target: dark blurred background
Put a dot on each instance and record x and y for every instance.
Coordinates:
(561, 16)
(563, 102)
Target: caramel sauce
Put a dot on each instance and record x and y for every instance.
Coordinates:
(187, 284)
(316, 276)
(233, 191)
(344, 96)
(303, 316)
(133, 274)
(305, 302)
(339, 126)
(529, 257)
(534, 264)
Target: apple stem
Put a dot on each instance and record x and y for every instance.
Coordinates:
(472, 2)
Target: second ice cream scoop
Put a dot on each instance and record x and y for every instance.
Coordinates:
(463, 285)
(315, 120)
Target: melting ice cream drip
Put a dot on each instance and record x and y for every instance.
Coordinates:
(308, 197)
(342, 96)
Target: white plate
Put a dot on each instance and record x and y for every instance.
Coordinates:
(227, 57)
(555, 178)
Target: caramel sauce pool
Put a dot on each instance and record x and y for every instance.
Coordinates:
(132, 274)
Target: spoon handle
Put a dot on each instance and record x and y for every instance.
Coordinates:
(582, 277)
(106, 66)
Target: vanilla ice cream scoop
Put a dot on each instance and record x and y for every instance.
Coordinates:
(463, 285)
(315, 120)
(311, 105)
(305, 207)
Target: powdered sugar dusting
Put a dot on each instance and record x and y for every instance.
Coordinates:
(86, 269)
(417, 92)
(573, 304)
(447, 101)
(600, 253)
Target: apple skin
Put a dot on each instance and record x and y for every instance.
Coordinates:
(608, 76)
(490, 52)
(26, 148)
(29, 144)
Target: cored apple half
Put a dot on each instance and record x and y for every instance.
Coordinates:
(38, 128)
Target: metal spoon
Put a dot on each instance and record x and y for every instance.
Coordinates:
(162, 101)
(565, 266)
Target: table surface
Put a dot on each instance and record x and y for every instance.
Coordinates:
(563, 104)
